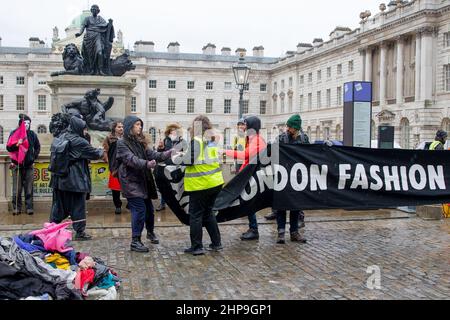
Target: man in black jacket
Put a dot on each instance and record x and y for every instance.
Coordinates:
(23, 174)
(70, 191)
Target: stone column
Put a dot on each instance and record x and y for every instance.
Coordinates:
(362, 61)
(383, 52)
(30, 104)
(418, 65)
(400, 69)
(426, 70)
(368, 71)
(144, 102)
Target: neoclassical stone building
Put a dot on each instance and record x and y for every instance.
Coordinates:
(404, 50)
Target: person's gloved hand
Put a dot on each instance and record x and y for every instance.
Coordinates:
(151, 164)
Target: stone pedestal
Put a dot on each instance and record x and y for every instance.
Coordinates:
(433, 212)
(70, 88)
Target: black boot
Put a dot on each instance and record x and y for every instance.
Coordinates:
(152, 237)
(138, 246)
(251, 234)
(281, 238)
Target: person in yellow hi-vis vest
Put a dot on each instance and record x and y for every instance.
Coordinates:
(203, 180)
(239, 143)
(439, 141)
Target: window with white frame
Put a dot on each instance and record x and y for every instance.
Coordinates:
(319, 99)
(2, 139)
(339, 69)
(42, 102)
(42, 129)
(310, 77)
(227, 106)
(282, 105)
(247, 87)
(133, 80)
(263, 87)
(245, 106)
(191, 85)
(282, 84)
(319, 75)
(302, 79)
(209, 85)
(172, 84)
(152, 84)
(329, 72)
(1, 102)
(447, 39)
(1, 80)
(263, 107)
(301, 102)
(20, 103)
(133, 104)
(171, 106)
(190, 105)
(328, 98)
(152, 105)
(275, 87)
(152, 133)
(447, 77)
(339, 96)
(350, 66)
(291, 82)
(290, 104)
(209, 105)
(20, 81)
(309, 101)
(228, 85)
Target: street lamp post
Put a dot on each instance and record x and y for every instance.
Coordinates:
(241, 73)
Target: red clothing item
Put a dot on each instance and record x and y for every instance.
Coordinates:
(255, 144)
(83, 279)
(114, 183)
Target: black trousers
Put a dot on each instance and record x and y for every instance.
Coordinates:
(73, 204)
(116, 199)
(22, 180)
(200, 214)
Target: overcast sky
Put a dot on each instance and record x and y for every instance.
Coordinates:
(278, 25)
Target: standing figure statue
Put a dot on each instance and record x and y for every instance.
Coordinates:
(97, 43)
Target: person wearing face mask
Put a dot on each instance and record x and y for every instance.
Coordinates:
(23, 174)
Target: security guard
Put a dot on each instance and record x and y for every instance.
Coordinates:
(203, 180)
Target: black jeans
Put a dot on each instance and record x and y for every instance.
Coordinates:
(116, 199)
(295, 216)
(200, 214)
(142, 212)
(22, 180)
(73, 204)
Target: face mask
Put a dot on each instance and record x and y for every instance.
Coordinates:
(27, 124)
(173, 137)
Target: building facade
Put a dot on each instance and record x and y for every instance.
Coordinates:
(404, 50)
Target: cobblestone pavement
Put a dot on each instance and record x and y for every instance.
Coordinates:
(413, 256)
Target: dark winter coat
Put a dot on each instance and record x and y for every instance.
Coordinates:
(78, 179)
(33, 151)
(302, 138)
(135, 178)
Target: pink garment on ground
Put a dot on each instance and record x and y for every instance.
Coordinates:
(19, 134)
(55, 236)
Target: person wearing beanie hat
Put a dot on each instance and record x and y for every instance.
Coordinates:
(295, 122)
(23, 174)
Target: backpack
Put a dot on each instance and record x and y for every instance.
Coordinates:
(59, 156)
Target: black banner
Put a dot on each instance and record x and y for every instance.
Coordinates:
(312, 177)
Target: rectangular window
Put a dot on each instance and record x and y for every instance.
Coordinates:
(209, 105)
(133, 104)
(1, 79)
(227, 106)
(329, 72)
(172, 84)
(282, 106)
(301, 102)
(42, 103)
(133, 80)
(309, 101)
(339, 96)
(310, 77)
(328, 98)
(209, 85)
(247, 87)
(42, 82)
(319, 75)
(152, 84)
(1, 102)
(245, 105)
(350, 66)
(339, 69)
(291, 82)
(447, 39)
(20, 81)
(191, 85)
(282, 84)
(275, 87)
(172, 106)
(20, 103)
(447, 77)
(302, 79)
(190, 105)
(319, 99)
(263, 87)
(263, 107)
(228, 85)
(152, 105)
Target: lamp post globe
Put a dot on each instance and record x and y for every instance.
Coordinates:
(241, 73)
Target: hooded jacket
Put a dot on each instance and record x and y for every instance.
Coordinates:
(34, 149)
(135, 178)
(78, 178)
(255, 143)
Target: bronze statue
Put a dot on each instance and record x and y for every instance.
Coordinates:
(92, 110)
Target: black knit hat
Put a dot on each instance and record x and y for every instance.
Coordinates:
(23, 117)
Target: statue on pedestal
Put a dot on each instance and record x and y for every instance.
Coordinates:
(92, 110)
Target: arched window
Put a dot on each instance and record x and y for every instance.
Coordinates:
(338, 132)
(42, 129)
(446, 124)
(152, 132)
(1, 135)
(405, 133)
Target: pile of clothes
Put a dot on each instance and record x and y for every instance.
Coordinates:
(41, 265)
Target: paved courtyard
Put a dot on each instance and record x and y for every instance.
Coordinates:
(413, 256)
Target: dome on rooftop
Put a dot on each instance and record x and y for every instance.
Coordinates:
(77, 21)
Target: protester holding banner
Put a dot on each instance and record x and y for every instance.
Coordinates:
(255, 143)
(110, 146)
(439, 141)
(136, 159)
(239, 142)
(294, 135)
(22, 171)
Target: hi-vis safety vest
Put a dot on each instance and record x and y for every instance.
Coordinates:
(206, 172)
(434, 145)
